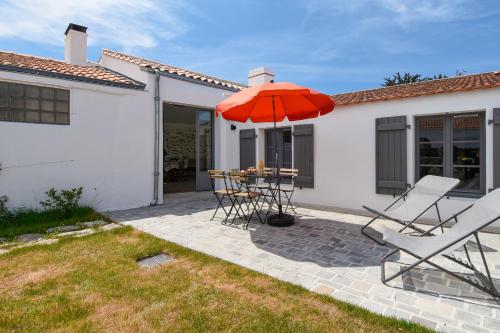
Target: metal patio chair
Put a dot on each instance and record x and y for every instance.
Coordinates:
(243, 197)
(414, 203)
(221, 194)
(288, 189)
(469, 222)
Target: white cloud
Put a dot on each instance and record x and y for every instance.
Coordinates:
(126, 24)
(403, 12)
(426, 10)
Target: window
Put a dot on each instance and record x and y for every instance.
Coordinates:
(33, 104)
(453, 146)
(283, 138)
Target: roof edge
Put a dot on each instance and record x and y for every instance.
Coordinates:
(187, 79)
(23, 70)
(177, 68)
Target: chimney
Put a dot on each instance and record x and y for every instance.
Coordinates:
(259, 76)
(75, 45)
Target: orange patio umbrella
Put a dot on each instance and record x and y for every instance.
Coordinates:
(273, 102)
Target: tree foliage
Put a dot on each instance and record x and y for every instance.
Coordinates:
(398, 79)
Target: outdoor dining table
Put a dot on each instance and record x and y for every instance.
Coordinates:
(271, 178)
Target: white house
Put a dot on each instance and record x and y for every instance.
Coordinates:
(378, 142)
(135, 129)
(73, 123)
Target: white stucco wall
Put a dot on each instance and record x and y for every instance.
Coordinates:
(345, 148)
(107, 148)
(181, 92)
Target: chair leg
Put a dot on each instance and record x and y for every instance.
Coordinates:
(233, 206)
(221, 205)
(490, 289)
(370, 236)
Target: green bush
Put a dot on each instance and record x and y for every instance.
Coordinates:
(4, 212)
(63, 200)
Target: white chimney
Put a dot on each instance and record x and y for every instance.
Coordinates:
(259, 76)
(75, 45)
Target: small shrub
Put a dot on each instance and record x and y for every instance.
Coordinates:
(63, 200)
(4, 212)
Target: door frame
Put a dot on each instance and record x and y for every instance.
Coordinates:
(165, 103)
(202, 180)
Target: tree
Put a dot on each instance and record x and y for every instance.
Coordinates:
(398, 79)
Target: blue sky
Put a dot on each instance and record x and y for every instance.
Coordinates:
(332, 46)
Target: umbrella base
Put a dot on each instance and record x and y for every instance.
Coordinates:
(280, 220)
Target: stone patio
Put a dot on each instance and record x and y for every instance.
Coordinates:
(324, 252)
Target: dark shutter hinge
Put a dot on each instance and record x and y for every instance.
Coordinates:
(408, 126)
(490, 121)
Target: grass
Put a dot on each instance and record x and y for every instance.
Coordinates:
(94, 284)
(28, 221)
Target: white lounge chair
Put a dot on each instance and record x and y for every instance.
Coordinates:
(470, 221)
(414, 203)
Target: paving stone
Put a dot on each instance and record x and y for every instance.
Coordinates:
(322, 289)
(492, 324)
(110, 226)
(76, 233)
(63, 228)
(475, 329)
(2, 251)
(92, 224)
(373, 306)
(468, 317)
(424, 321)
(26, 238)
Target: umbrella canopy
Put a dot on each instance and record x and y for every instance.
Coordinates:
(273, 102)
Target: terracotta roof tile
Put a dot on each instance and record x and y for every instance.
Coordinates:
(175, 70)
(92, 73)
(425, 88)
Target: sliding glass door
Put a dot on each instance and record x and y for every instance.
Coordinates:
(204, 149)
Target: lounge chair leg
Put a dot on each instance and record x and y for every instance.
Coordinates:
(370, 236)
(382, 266)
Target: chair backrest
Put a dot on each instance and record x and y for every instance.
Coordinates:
(424, 194)
(215, 175)
(289, 175)
(478, 216)
(238, 180)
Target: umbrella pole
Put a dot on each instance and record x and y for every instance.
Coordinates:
(280, 206)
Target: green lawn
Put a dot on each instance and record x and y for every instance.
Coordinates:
(93, 284)
(33, 221)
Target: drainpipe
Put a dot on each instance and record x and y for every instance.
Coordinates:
(157, 138)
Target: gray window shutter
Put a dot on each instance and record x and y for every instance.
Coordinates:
(247, 148)
(303, 154)
(496, 148)
(391, 155)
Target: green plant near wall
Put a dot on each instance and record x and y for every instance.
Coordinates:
(63, 200)
(4, 212)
